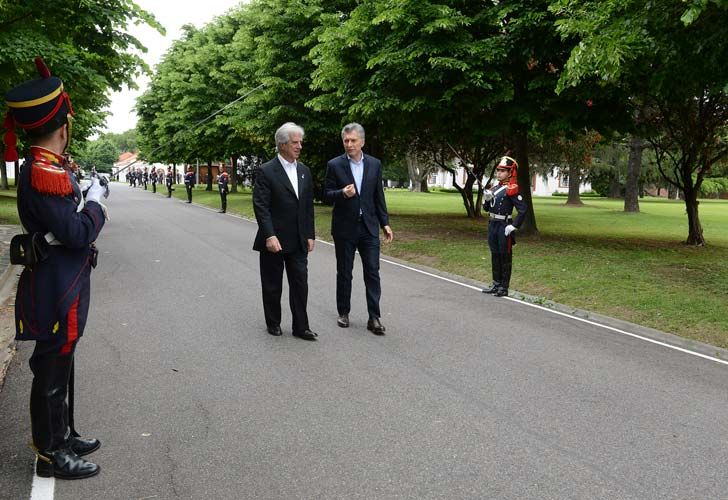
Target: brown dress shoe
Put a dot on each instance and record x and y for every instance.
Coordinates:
(343, 320)
(375, 326)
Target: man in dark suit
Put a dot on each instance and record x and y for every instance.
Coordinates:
(354, 185)
(283, 204)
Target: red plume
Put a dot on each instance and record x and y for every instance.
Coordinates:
(42, 68)
(11, 153)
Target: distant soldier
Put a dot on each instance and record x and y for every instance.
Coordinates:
(499, 201)
(145, 177)
(222, 185)
(189, 183)
(154, 178)
(169, 180)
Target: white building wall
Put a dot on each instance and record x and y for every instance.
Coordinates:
(540, 186)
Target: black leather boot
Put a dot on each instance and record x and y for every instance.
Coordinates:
(63, 463)
(81, 446)
(495, 259)
(506, 267)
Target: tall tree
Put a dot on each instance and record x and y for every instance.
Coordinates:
(85, 43)
(670, 56)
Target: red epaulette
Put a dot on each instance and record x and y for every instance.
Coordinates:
(512, 189)
(46, 178)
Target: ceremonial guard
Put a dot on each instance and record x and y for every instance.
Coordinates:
(189, 183)
(154, 178)
(145, 177)
(499, 202)
(169, 180)
(222, 185)
(57, 250)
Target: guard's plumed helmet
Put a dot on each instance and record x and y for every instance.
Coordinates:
(510, 164)
(38, 106)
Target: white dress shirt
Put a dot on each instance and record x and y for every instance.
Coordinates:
(291, 172)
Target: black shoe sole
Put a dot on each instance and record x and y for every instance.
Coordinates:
(43, 469)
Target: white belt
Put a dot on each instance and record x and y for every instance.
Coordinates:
(500, 217)
(51, 239)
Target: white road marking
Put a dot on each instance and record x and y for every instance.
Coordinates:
(577, 318)
(43, 487)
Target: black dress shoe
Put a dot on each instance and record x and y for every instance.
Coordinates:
(221, 211)
(275, 331)
(343, 320)
(306, 335)
(82, 446)
(375, 326)
(491, 289)
(501, 292)
(64, 464)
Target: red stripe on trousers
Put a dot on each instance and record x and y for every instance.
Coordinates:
(72, 327)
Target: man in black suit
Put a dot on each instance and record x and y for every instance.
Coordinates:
(283, 203)
(354, 185)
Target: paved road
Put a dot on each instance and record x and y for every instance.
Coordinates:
(467, 396)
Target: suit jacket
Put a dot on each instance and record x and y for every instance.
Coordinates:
(279, 212)
(370, 201)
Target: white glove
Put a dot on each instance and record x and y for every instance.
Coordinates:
(95, 192)
(488, 195)
(105, 210)
(510, 228)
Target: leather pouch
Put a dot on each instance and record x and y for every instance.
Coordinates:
(28, 249)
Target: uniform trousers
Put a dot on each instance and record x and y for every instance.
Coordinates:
(501, 252)
(51, 393)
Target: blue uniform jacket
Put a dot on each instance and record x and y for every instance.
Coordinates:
(222, 182)
(503, 203)
(48, 198)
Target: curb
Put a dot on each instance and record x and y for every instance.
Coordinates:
(7, 336)
(605, 321)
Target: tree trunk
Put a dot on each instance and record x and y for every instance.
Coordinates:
(17, 171)
(524, 181)
(417, 178)
(234, 173)
(695, 230)
(631, 188)
(3, 175)
(209, 176)
(615, 189)
(574, 199)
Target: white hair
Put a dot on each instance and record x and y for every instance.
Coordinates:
(283, 134)
(353, 127)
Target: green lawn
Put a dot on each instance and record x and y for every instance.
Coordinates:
(8, 207)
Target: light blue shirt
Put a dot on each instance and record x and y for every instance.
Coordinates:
(357, 170)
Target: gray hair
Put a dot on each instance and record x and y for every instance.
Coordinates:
(353, 127)
(283, 134)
